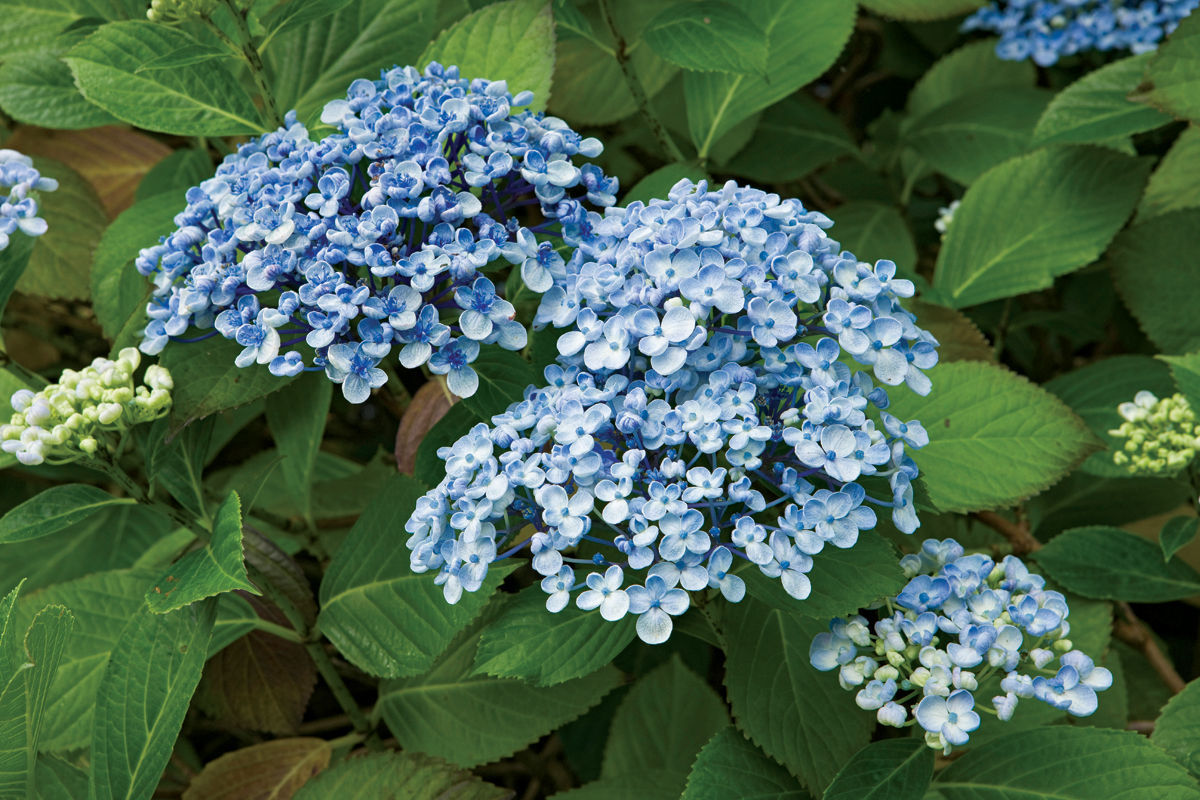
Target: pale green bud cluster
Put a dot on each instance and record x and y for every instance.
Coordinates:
(1161, 436)
(71, 419)
(176, 10)
(946, 216)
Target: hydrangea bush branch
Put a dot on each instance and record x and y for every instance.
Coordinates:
(961, 620)
(714, 399)
(330, 254)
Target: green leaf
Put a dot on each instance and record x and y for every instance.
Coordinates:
(589, 88)
(54, 509)
(1174, 72)
(894, 769)
(660, 181)
(1033, 218)
(58, 780)
(176, 173)
(970, 69)
(200, 100)
(1175, 182)
(804, 38)
(385, 618)
(668, 692)
(207, 380)
(1186, 372)
(503, 378)
(1161, 299)
(62, 257)
(960, 339)
(798, 716)
(1178, 532)
(29, 659)
(873, 231)
(843, 581)
(1094, 392)
(526, 641)
(655, 784)
(921, 10)
(28, 27)
(216, 568)
(983, 414)
(143, 697)
(1111, 564)
(310, 65)
(973, 133)
(185, 56)
(730, 766)
(430, 469)
(296, 416)
(1177, 730)
(795, 136)
(1096, 108)
(473, 719)
(409, 775)
(708, 36)
(38, 89)
(511, 41)
(13, 261)
(118, 290)
(294, 13)
(1065, 763)
(1083, 499)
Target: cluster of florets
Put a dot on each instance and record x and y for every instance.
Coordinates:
(702, 411)
(1161, 436)
(376, 237)
(961, 621)
(19, 209)
(77, 417)
(179, 10)
(1047, 30)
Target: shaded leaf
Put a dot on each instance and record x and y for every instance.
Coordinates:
(1174, 71)
(1175, 182)
(119, 291)
(428, 406)
(1177, 730)
(660, 181)
(971, 68)
(921, 10)
(1159, 280)
(1177, 533)
(894, 769)
(296, 415)
(207, 380)
(1109, 563)
(874, 231)
(1096, 108)
(730, 766)
(272, 770)
(794, 137)
(398, 776)
(54, 509)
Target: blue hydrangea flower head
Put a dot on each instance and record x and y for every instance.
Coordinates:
(1047, 30)
(19, 208)
(962, 622)
(703, 416)
(371, 243)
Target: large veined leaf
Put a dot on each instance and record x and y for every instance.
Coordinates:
(1174, 72)
(411, 776)
(29, 27)
(503, 377)
(1033, 218)
(143, 697)
(1177, 730)
(118, 290)
(526, 641)
(974, 132)
(1157, 278)
(216, 568)
(385, 618)
(894, 769)
(708, 36)
(296, 415)
(921, 10)
(196, 100)
(207, 380)
(54, 509)
(798, 716)
(979, 414)
(794, 137)
(969, 69)
(1093, 392)
(1066, 763)
(38, 89)
(730, 766)
(873, 231)
(1105, 562)
(670, 691)
(1185, 370)
(1175, 182)
(1097, 108)
(272, 770)
(511, 41)
(471, 719)
(310, 65)
(804, 37)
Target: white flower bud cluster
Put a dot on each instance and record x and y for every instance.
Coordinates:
(946, 216)
(173, 10)
(1161, 436)
(69, 419)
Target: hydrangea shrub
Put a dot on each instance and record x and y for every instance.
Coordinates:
(599, 398)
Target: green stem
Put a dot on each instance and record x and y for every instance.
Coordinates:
(253, 60)
(910, 183)
(635, 88)
(267, 626)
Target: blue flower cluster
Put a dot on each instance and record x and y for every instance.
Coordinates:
(703, 409)
(378, 236)
(18, 210)
(960, 621)
(1047, 30)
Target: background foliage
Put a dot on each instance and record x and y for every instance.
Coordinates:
(135, 662)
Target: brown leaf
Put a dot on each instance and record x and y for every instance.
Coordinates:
(268, 771)
(260, 681)
(429, 404)
(112, 158)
